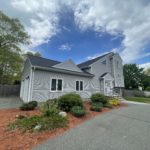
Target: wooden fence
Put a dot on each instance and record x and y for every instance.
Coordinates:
(9, 90)
(128, 93)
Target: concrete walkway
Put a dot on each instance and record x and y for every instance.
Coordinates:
(10, 102)
(126, 128)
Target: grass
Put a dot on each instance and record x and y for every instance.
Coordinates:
(46, 123)
(138, 99)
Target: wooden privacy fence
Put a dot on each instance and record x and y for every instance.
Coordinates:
(9, 90)
(128, 93)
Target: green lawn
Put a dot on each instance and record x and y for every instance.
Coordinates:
(138, 99)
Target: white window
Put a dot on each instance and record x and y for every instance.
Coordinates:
(79, 85)
(56, 84)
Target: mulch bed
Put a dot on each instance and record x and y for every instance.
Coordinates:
(16, 140)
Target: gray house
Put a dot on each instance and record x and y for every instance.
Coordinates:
(44, 79)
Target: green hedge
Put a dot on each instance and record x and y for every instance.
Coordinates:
(97, 97)
(78, 111)
(29, 106)
(96, 107)
(66, 102)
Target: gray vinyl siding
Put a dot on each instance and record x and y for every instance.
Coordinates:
(41, 85)
(118, 71)
(98, 69)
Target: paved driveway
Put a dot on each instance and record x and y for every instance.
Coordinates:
(122, 129)
(10, 102)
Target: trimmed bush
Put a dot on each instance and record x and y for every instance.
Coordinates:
(78, 111)
(108, 105)
(67, 101)
(34, 103)
(27, 107)
(97, 97)
(96, 107)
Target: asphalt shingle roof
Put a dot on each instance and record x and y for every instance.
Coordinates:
(48, 64)
(42, 62)
(89, 62)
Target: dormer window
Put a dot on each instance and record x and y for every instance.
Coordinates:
(104, 62)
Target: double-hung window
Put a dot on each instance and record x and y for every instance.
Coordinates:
(56, 84)
(79, 85)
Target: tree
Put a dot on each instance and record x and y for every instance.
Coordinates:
(12, 35)
(133, 76)
(147, 72)
(38, 54)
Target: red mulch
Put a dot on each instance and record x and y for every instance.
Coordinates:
(16, 140)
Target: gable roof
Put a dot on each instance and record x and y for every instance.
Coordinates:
(48, 64)
(68, 65)
(89, 62)
(42, 62)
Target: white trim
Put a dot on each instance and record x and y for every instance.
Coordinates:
(30, 84)
(57, 78)
(79, 85)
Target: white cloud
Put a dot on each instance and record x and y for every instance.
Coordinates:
(65, 47)
(40, 18)
(131, 18)
(145, 65)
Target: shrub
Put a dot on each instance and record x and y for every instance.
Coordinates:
(51, 111)
(148, 88)
(108, 105)
(96, 107)
(114, 102)
(97, 97)
(34, 103)
(66, 102)
(27, 106)
(49, 108)
(46, 123)
(78, 111)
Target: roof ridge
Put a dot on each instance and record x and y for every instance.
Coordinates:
(88, 62)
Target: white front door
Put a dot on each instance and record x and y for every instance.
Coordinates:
(108, 87)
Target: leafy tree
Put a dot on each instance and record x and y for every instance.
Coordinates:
(146, 81)
(133, 76)
(38, 54)
(12, 35)
(147, 72)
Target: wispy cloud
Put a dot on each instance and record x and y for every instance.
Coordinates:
(145, 65)
(65, 47)
(130, 19)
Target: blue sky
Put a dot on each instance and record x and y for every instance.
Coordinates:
(85, 29)
(78, 45)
